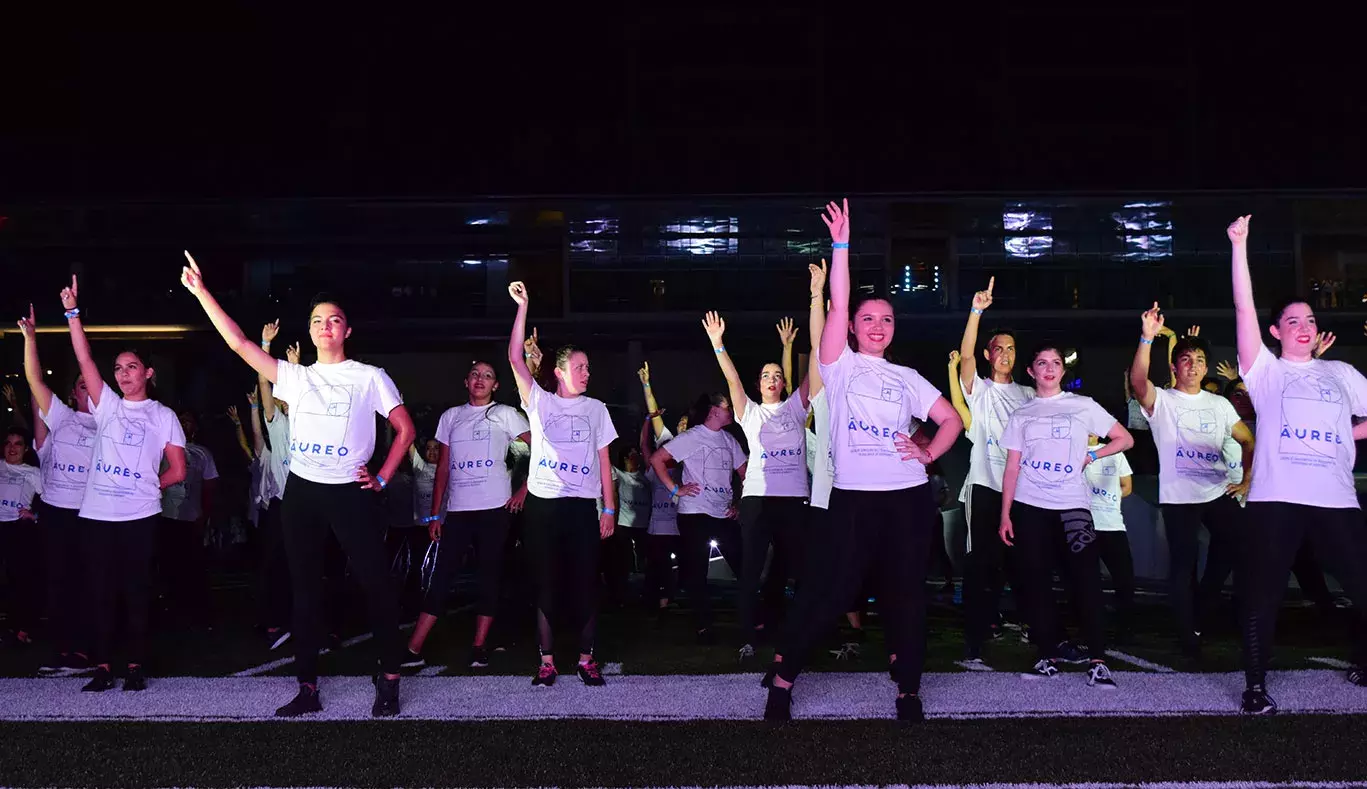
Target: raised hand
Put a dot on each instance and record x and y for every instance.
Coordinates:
(292, 353)
(953, 358)
(10, 396)
(232, 414)
(787, 332)
(519, 293)
(837, 219)
(1152, 322)
(715, 328)
(1323, 343)
(270, 331)
(644, 374)
(252, 399)
(192, 278)
(531, 350)
(983, 298)
(818, 285)
(1193, 331)
(1238, 230)
(28, 326)
(910, 450)
(69, 295)
(1226, 371)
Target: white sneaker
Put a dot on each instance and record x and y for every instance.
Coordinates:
(1099, 676)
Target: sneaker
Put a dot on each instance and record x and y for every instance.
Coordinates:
(305, 702)
(1025, 635)
(745, 654)
(909, 709)
(1046, 668)
(767, 681)
(1099, 676)
(386, 698)
(545, 676)
(1358, 676)
(65, 663)
(134, 679)
(591, 674)
(1257, 702)
(479, 657)
(278, 638)
(1068, 652)
(413, 660)
(779, 706)
(975, 664)
(102, 681)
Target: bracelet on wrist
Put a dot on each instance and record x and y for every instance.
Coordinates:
(609, 511)
(254, 406)
(383, 482)
(74, 312)
(840, 245)
(977, 311)
(646, 384)
(719, 349)
(674, 492)
(1146, 340)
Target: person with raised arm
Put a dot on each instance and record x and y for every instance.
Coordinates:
(991, 401)
(773, 508)
(1304, 485)
(956, 393)
(662, 537)
(571, 433)
(1190, 427)
(65, 439)
(1046, 508)
(472, 503)
(273, 580)
(881, 507)
(134, 437)
(331, 488)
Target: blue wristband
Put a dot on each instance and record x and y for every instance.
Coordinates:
(675, 492)
(840, 245)
(719, 351)
(609, 511)
(382, 481)
(431, 518)
(1146, 342)
(74, 312)
(977, 311)
(1091, 453)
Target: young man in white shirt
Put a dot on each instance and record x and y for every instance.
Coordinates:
(991, 401)
(1190, 427)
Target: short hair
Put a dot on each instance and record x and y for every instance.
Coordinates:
(324, 297)
(1188, 344)
(997, 331)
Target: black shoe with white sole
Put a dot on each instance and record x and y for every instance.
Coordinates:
(413, 660)
(479, 657)
(1257, 702)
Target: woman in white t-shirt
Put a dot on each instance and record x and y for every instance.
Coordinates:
(64, 435)
(121, 506)
(471, 502)
(20, 537)
(662, 533)
(333, 404)
(706, 499)
(881, 510)
(1111, 480)
(1302, 485)
(571, 433)
(633, 517)
(1046, 507)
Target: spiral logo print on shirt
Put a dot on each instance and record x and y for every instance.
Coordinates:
(567, 451)
(472, 457)
(120, 450)
(1078, 530)
(878, 411)
(783, 441)
(1048, 443)
(716, 477)
(1312, 407)
(72, 440)
(320, 425)
(1199, 443)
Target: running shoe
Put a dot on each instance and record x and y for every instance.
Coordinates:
(305, 702)
(102, 680)
(1358, 676)
(745, 654)
(1257, 702)
(134, 679)
(1099, 676)
(1046, 668)
(386, 698)
(779, 706)
(479, 657)
(545, 676)
(1068, 652)
(591, 674)
(413, 660)
(909, 709)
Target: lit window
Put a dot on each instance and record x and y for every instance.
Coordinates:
(1032, 243)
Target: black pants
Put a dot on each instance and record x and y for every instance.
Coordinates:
(22, 544)
(312, 511)
(696, 533)
(983, 565)
(407, 546)
(273, 571)
(182, 567)
(765, 520)
(1183, 522)
(883, 533)
(1042, 537)
(487, 531)
(1114, 547)
(67, 578)
(660, 581)
(561, 539)
(1270, 537)
(118, 559)
(619, 560)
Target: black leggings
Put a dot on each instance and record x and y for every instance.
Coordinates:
(182, 567)
(983, 565)
(310, 511)
(1269, 538)
(1042, 537)
(487, 531)
(118, 558)
(886, 533)
(1115, 554)
(67, 578)
(696, 533)
(561, 539)
(1182, 522)
(782, 521)
(273, 571)
(22, 544)
(660, 552)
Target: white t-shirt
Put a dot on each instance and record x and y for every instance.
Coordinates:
(478, 438)
(778, 444)
(1304, 450)
(1233, 455)
(567, 434)
(184, 501)
(424, 483)
(66, 455)
(18, 485)
(1190, 432)
(819, 462)
(1051, 435)
(708, 458)
(278, 465)
(1134, 415)
(871, 401)
(664, 510)
(125, 482)
(991, 405)
(332, 414)
(1104, 478)
(633, 498)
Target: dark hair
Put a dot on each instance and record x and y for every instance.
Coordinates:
(782, 391)
(702, 406)
(997, 331)
(1187, 344)
(1232, 387)
(323, 297)
(142, 359)
(1210, 379)
(16, 430)
(564, 352)
(477, 362)
(857, 305)
(1280, 306)
(1041, 347)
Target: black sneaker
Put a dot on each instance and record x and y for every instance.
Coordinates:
(134, 679)
(591, 674)
(779, 706)
(386, 698)
(1257, 702)
(102, 681)
(1358, 676)
(909, 709)
(479, 657)
(1068, 652)
(304, 703)
(1099, 676)
(545, 676)
(767, 681)
(1046, 668)
(412, 660)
